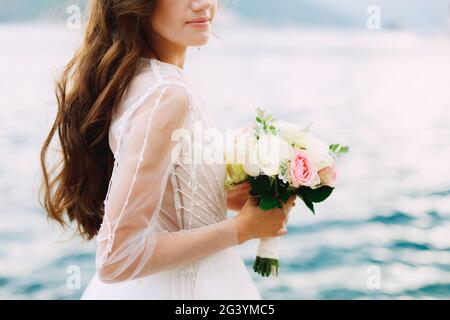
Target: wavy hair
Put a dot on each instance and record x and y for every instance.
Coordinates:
(87, 93)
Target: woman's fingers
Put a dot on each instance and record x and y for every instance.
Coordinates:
(253, 201)
(244, 185)
(291, 202)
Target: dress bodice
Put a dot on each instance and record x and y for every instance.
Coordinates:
(166, 203)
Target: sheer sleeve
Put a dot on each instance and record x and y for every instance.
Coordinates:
(129, 246)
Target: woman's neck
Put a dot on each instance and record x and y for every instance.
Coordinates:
(166, 51)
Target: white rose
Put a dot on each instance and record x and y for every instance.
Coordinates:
(243, 151)
(317, 150)
(301, 137)
(252, 170)
(238, 150)
(271, 151)
(288, 131)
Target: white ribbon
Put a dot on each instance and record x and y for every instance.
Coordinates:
(268, 248)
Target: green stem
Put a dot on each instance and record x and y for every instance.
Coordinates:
(264, 266)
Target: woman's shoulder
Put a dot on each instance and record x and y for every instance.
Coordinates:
(153, 84)
(163, 72)
(153, 76)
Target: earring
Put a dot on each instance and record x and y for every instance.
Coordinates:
(138, 21)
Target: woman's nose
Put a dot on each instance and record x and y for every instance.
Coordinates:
(198, 5)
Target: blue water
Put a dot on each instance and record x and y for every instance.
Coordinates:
(384, 94)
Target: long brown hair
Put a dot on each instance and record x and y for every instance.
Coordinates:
(90, 88)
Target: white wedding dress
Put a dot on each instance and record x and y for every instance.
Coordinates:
(165, 234)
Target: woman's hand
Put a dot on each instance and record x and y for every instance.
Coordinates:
(252, 222)
(238, 196)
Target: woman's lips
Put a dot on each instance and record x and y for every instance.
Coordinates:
(199, 23)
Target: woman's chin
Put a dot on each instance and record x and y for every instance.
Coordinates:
(199, 40)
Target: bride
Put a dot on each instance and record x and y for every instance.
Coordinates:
(158, 219)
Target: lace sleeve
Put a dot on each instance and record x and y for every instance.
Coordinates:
(128, 244)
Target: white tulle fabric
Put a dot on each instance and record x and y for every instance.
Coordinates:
(165, 234)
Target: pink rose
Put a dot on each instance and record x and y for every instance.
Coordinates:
(328, 176)
(303, 171)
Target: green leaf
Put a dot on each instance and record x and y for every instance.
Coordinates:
(310, 205)
(333, 147)
(268, 203)
(338, 149)
(344, 149)
(284, 197)
(315, 195)
(263, 185)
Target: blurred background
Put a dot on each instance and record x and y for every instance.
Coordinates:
(374, 75)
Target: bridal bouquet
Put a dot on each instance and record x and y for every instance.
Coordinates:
(280, 159)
